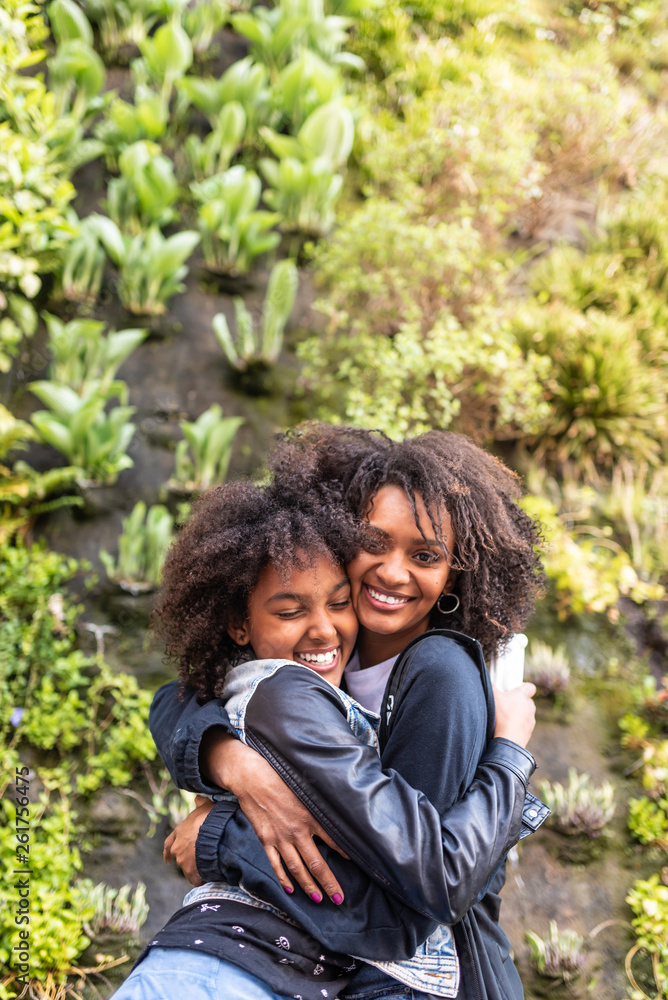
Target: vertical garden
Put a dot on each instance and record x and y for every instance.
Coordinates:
(219, 218)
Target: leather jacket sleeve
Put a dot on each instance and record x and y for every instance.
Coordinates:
(435, 866)
(177, 727)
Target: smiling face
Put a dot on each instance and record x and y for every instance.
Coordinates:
(306, 616)
(395, 590)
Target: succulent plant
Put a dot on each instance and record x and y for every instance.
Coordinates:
(561, 955)
(547, 668)
(580, 807)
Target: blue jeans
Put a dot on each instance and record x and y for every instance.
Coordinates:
(167, 973)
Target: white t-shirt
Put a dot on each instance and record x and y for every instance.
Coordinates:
(368, 686)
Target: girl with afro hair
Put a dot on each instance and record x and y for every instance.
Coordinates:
(447, 570)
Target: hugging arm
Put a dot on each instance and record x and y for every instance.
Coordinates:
(178, 726)
(411, 869)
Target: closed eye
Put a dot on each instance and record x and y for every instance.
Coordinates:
(340, 605)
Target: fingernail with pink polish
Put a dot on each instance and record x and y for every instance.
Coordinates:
(337, 898)
(288, 889)
(316, 897)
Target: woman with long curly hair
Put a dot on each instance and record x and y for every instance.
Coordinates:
(446, 545)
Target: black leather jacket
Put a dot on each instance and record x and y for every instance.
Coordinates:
(413, 868)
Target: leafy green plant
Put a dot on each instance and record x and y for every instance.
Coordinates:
(306, 181)
(606, 390)
(547, 668)
(653, 700)
(125, 123)
(636, 505)
(588, 569)
(167, 55)
(24, 492)
(234, 232)
(648, 899)
(151, 267)
(471, 378)
(115, 911)
(124, 22)
(561, 955)
(68, 22)
(277, 34)
(245, 83)
(213, 153)
(19, 321)
(68, 701)
(83, 356)
(57, 935)
(579, 807)
(34, 194)
(91, 438)
(142, 546)
(250, 346)
(303, 86)
(202, 20)
(83, 264)
(203, 456)
(146, 191)
(76, 78)
(648, 820)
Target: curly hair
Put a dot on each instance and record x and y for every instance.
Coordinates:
(214, 565)
(499, 573)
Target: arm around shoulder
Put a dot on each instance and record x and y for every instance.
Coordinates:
(178, 726)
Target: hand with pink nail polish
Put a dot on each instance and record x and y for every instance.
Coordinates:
(283, 825)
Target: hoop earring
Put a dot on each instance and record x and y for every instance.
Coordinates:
(448, 611)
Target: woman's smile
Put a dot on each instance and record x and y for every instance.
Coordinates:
(389, 601)
(305, 615)
(395, 589)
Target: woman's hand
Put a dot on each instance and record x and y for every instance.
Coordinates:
(283, 825)
(180, 844)
(515, 713)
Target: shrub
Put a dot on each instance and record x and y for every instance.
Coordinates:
(59, 910)
(588, 570)
(606, 402)
(66, 701)
(473, 379)
(649, 901)
(648, 821)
